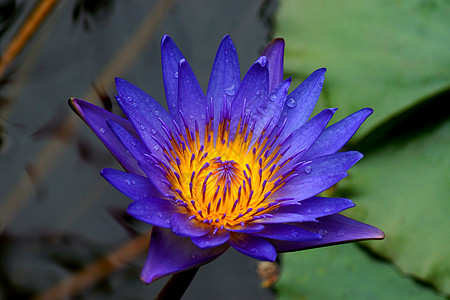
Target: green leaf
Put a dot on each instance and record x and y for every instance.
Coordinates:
(403, 188)
(344, 272)
(388, 55)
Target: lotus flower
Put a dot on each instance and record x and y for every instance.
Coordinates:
(241, 167)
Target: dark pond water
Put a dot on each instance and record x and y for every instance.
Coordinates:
(57, 215)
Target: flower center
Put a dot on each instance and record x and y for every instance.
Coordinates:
(224, 180)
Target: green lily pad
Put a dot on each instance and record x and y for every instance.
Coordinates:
(403, 188)
(388, 55)
(344, 272)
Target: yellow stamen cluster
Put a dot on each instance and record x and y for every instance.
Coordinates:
(223, 181)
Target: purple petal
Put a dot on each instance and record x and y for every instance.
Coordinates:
(337, 135)
(169, 253)
(95, 117)
(253, 88)
(333, 163)
(303, 137)
(315, 207)
(144, 112)
(335, 229)
(154, 211)
(247, 228)
(170, 58)
(133, 186)
(141, 153)
(211, 240)
(225, 77)
(274, 52)
(255, 247)
(308, 187)
(285, 218)
(191, 98)
(268, 109)
(285, 232)
(301, 102)
(183, 226)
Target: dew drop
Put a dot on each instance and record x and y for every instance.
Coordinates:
(159, 214)
(133, 144)
(308, 169)
(127, 182)
(129, 99)
(291, 102)
(142, 127)
(191, 116)
(273, 98)
(341, 232)
(203, 117)
(309, 211)
(134, 104)
(294, 233)
(133, 181)
(171, 54)
(323, 232)
(175, 74)
(230, 90)
(226, 52)
(258, 92)
(156, 112)
(153, 131)
(254, 250)
(173, 104)
(167, 221)
(328, 209)
(188, 81)
(102, 130)
(156, 147)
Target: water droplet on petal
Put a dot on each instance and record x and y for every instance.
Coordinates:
(323, 232)
(294, 233)
(134, 104)
(171, 54)
(341, 232)
(159, 214)
(254, 250)
(230, 90)
(309, 211)
(291, 102)
(153, 131)
(273, 97)
(308, 169)
(142, 127)
(156, 112)
(226, 52)
(156, 147)
(173, 104)
(328, 209)
(102, 130)
(175, 74)
(191, 116)
(133, 181)
(129, 99)
(258, 92)
(128, 182)
(203, 117)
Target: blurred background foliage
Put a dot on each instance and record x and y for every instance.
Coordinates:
(64, 232)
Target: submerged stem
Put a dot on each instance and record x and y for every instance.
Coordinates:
(177, 285)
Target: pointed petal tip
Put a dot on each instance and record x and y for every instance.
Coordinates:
(76, 105)
(262, 61)
(165, 38)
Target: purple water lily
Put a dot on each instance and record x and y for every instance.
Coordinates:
(241, 167)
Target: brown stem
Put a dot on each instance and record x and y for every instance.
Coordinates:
(177, 285)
